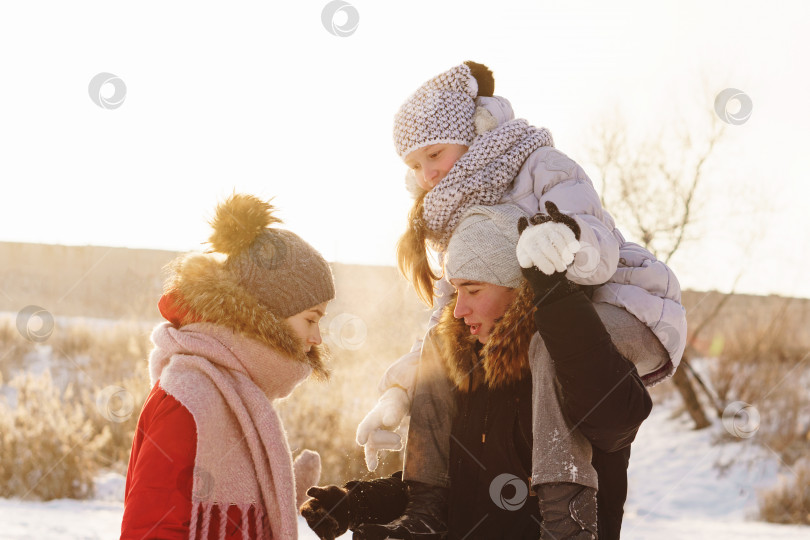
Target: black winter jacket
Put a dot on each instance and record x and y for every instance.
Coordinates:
(491, 436)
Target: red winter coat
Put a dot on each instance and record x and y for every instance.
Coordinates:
(160, 476)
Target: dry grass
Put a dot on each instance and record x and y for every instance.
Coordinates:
(13, 348)
(789, 501)
(49, 446)
(760, 364)
(59, 428)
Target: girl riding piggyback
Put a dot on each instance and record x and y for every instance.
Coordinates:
(463, 147)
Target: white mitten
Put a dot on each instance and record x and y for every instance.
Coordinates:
(374, 431)
(550, 247)
(307, 471)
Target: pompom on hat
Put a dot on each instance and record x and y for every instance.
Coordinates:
(443, 109)
(267, 275)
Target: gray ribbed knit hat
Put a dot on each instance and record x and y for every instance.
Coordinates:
(482, 247)
(283, 272)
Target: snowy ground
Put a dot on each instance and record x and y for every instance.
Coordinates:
(681, 487)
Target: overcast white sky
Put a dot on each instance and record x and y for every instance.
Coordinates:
(260, 97)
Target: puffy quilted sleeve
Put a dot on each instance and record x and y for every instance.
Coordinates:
(157, 500)
(557, 178)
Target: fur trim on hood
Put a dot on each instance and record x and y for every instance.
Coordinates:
(503, 360)
(206, 291)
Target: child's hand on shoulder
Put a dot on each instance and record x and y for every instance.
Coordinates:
(551, 243)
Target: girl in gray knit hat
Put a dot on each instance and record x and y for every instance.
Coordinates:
(464, 147)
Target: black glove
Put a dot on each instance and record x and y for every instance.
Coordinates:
(333, 509)
(425, 517)
(548, 288)
(327, 512)
(569, 511)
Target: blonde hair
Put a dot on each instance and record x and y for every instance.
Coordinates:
(412, 256)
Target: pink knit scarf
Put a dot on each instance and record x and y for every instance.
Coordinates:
(227, 382)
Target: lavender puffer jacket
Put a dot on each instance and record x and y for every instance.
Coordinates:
(628, 276)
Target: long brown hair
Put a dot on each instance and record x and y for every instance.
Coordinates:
(412, 256)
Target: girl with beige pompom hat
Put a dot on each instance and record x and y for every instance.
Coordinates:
(210, 457)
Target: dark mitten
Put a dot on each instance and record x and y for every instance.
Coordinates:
(332, 509)
(327, 512)
(425, 517)
(545, 250)
(568, 510)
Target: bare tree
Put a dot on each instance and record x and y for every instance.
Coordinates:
(650, 187)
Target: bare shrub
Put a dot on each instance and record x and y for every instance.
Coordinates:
(48, 448)
(788, 502)
(759, 364)
(13, 349)
(98, 355)
(110, 363)
(79, 415)
(115, 408)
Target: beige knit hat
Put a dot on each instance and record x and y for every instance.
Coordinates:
(482, 247)
(266, 275)
(275, 268)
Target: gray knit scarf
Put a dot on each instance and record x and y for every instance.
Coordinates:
(481, 176)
